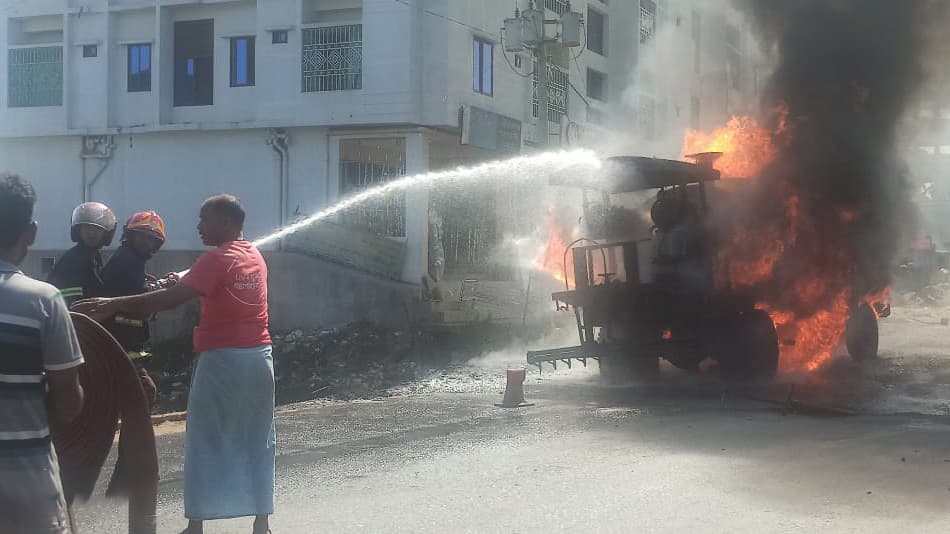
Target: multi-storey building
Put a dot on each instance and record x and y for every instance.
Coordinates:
(293, 104)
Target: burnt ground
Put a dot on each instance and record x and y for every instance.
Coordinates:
(360, 360)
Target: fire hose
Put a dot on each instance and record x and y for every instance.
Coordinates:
(112, 390)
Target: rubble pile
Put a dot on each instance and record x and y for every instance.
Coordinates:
(356, 361)
(341, 363)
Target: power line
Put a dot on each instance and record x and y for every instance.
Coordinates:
(443, 17)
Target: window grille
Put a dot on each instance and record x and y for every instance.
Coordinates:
(367, 163)
(333, 58)
(557, 6)
(647, 20)
(558, 85)
(35, 77)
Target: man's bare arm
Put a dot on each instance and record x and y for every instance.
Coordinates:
(144, 304)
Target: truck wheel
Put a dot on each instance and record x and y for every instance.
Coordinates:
(752, 352)
(861, 336)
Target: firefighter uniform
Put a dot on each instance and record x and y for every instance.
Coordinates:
(78, 274)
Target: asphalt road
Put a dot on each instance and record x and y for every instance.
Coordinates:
(851, 449)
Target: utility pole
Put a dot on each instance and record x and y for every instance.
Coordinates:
(542, 76)
(528, 30)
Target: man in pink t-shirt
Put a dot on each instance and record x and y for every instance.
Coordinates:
(230, 442)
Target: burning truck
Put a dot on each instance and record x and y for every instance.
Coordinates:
(645, 292)
(790, 254)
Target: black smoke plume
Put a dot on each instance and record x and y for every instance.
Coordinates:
(847, 71)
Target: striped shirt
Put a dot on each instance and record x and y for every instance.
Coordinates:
(36, 335)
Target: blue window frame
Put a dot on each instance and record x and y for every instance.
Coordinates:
(140, 68)
(482, 68)
(242, 61)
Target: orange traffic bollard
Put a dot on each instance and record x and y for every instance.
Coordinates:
(514, 390)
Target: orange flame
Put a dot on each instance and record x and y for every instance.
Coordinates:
(553, 260)
(816, 336)
(749, 257)
(747, 147)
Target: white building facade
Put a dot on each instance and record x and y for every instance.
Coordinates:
(293, 104)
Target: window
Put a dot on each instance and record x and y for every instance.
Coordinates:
(35, 77)
(367, 163)
(332, 58)
(90, 51)
(194, 63)
(482, 61)
(647, 20)
(597, 85)
(596, 32)
(279, 37)
(140, 68)
(242, 61)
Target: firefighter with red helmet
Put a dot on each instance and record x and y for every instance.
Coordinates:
(142, 236)
(78, 273)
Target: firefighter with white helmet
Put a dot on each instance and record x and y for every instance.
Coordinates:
(78, 273)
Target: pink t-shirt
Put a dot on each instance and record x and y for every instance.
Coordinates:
(232, 281)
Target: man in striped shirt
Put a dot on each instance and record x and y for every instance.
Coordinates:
(39, 379)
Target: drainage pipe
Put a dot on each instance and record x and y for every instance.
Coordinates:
(278, 140)
(95, 147)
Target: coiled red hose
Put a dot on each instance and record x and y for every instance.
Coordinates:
(112, 390)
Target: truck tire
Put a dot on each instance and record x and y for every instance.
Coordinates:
(861, 336)
(752, 350)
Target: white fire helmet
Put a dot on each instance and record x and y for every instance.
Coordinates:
(95, 214)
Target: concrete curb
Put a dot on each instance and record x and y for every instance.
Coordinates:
(158, 419)
(168, 417)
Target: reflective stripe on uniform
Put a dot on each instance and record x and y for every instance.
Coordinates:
(71, 292)
(127, 321)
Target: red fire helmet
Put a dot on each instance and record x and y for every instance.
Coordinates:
(147, 222)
